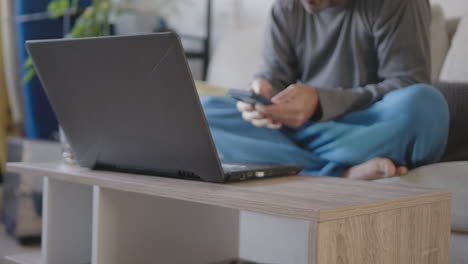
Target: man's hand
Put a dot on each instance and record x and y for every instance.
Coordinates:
(293, 106)
(249, 112)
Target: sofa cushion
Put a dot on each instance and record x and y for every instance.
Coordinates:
(448, 176)
(439, 40)
(237, 57)
(204, 89)
(455, 68)
(457, 98)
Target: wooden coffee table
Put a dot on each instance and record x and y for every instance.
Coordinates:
(111, 218)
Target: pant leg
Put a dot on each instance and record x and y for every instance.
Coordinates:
(238, 140)
(409, 126)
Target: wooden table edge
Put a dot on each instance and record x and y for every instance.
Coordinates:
(381, 206)
(320, 215)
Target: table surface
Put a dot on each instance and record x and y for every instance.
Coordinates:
(300, 197)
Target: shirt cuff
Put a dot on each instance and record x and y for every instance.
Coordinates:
(334, 103)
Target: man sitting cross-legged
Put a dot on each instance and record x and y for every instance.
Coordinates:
(347, 79)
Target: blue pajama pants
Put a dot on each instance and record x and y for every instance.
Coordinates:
(408, 126)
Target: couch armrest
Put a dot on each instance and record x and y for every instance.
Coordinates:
(456, 95)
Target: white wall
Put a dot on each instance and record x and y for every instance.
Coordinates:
(226, 15)
(189, 17)
(453, 8)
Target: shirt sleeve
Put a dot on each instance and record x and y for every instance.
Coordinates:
(401, 35)
(279, 65)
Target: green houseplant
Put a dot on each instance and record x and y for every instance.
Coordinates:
(97, 19)
(94, 21)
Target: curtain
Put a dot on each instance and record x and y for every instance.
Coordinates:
(6, 124)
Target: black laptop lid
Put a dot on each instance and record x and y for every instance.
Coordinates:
(128, 102)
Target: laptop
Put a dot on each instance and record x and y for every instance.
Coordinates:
(129, 104)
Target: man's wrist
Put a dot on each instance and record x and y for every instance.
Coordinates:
(318, 112)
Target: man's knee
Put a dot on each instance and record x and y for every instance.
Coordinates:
(209, 100)
(424, 103)
(427, 120)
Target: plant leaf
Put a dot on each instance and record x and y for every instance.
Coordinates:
(57, 8)
(75, 4)
(30, 74)
(28, 63)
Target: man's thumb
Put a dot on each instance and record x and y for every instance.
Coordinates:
(285, 95)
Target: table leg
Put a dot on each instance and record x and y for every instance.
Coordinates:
(67, 221)
(274, 239)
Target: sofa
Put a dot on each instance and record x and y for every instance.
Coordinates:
(238, 55)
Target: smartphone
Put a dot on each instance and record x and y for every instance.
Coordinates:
(248, 97)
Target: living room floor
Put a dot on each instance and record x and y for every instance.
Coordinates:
(8, 246)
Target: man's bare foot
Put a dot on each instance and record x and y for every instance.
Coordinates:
(375, 169)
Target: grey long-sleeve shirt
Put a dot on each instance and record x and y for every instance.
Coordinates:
(353, 53)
